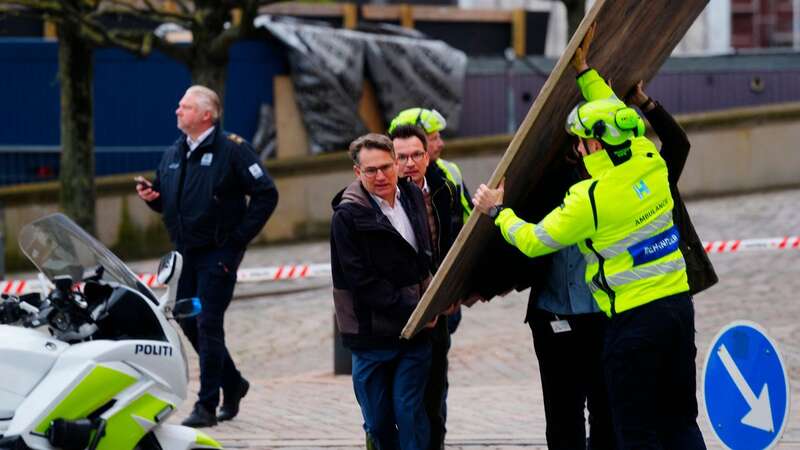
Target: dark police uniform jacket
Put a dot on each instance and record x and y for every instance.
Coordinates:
(203, 199)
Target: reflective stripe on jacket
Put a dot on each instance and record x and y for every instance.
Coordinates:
(675, 151)
(453, 174)
(621, 219)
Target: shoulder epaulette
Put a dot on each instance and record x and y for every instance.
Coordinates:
(235, 138)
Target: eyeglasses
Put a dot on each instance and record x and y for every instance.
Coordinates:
(416, 157)
(371, 172)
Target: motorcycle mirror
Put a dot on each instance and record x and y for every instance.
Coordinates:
(186, 308)
(166, 267)
(94, 273)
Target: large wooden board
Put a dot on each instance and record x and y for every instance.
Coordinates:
(633, 40)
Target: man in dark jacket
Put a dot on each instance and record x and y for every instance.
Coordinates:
(444, 222)
(200, 188)
(381, 264)
(675, 150)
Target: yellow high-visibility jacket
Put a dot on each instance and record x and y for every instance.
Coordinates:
(453, 174)
(621, 220)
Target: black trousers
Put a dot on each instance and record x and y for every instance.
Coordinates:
(650, 368)
(436, 390)
(572, 375)
(210, 274)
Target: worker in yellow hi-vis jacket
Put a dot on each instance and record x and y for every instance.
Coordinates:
(621, 219)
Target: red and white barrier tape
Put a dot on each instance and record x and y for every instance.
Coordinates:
(784, 243)
(251, 275)
(256, 274)
(17, 287)
(287, 272)
(300, 271)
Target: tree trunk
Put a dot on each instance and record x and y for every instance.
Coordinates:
(211, 74)
(75, 73)
(575, 12)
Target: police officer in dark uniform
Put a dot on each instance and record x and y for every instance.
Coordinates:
(201, 190)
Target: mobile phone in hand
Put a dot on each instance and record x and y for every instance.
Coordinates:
(141, 181)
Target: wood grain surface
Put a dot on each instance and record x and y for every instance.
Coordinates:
(633, 40)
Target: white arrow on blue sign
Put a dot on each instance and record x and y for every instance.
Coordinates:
(745, 388)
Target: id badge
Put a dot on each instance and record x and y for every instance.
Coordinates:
(560, 326)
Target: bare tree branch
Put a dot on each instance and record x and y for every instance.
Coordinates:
(249, 13)
(40, 5)
(89, 29)
(100, 35)
(180, 53)
(183, 5)
(223, 41)
(151, 12)
(77, 10)
(29, 13)
(137, 43)
(140, 43)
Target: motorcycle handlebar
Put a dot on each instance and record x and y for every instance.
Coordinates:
(17, 310)
(59, 306)
(9, 310)
(65, 311)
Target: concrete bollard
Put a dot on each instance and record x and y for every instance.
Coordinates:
(342, 358)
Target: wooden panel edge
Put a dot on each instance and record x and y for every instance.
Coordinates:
(421, 315)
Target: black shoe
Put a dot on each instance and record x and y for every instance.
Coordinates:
(230, 404)
(200, 418)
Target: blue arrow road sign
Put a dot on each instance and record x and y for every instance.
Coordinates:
(745, 388)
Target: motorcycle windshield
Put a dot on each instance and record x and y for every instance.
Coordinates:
(58, 246)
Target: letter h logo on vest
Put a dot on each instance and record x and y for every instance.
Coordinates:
(641, 189)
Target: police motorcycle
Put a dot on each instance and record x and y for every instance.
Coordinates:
(97, 362)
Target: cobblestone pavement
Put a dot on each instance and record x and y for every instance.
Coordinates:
(283, 343)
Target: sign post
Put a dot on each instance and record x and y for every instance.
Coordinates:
(746, 388)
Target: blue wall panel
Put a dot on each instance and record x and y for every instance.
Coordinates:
(135, 98)
(249, 84)
(29, 91)
(135, 102)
